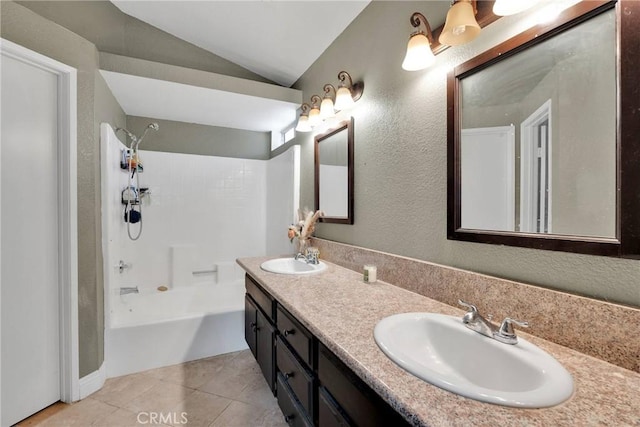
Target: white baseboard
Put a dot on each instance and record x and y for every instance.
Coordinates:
(93, 382)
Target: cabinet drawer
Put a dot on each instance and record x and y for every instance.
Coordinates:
(293, 413)
(296, 335)
(262, 298)
(329, 415)
(295, 375)
(359, 402)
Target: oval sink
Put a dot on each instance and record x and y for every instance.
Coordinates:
(442, 351)
(292, 266)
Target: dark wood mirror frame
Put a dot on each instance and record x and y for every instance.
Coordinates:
(627, 241)
(347, 126)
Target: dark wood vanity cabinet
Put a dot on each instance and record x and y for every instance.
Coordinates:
(313, 386)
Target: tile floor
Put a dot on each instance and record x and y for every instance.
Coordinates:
(222, 391)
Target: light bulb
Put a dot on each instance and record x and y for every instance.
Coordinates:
(459, 30)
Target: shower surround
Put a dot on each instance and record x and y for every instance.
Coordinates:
(200, 214)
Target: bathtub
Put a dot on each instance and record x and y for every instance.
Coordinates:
(154, 329)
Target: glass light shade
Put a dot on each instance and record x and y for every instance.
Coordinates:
(461, 26)
(314, 117)
(343, 98)
(550, 12)
(326, 109)
(303, 124)
(511, 7)
(419, 54)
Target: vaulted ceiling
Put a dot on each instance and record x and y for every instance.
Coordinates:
(278, 40)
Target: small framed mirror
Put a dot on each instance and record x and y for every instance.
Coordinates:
(541, 150)
(334, 174)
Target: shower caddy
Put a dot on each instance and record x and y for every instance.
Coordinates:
(132, 195)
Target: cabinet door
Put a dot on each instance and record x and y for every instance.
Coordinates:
(266, 351)
(250, 312)
(362, 405)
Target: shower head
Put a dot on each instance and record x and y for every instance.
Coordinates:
(153, 126)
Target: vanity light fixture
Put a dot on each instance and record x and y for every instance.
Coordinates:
(419, 54)
(348, 93)
(461, 26)
(327, 110)
(314, 114)
(303, 120)
(511, 7)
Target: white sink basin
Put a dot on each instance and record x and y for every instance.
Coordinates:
(292, 266)
(442, 351)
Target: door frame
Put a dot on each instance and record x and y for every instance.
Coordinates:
(68, 211)
(528, 153)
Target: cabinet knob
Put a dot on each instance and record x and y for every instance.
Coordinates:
(253, 325)
(289, 332)
(288, 375)
(288, 418)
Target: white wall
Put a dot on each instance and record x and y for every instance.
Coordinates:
(113, 226)
(283, 199)
(211, 210)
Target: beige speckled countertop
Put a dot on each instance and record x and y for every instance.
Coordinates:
(341, 311)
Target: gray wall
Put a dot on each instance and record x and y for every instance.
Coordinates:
(113, 31)
(400, 160)
(95, 104)
(191, 138)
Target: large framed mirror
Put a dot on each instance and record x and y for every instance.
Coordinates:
(334, 174)
(544, 136)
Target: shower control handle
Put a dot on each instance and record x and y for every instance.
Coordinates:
(122, 266)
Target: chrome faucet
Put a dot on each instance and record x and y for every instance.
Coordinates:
(503, 333)
(310, 258)
(129, 290)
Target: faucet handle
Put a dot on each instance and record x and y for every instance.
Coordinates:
(506, 333)
(508, 323)
(471, 307)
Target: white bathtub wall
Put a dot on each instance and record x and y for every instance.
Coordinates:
(210, 210)
(283, 199)
(114, 180)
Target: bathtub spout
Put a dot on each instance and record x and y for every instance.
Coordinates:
(129, 290)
